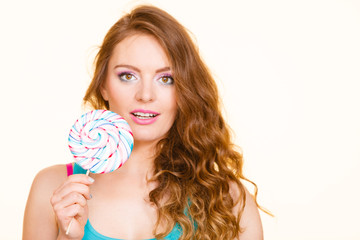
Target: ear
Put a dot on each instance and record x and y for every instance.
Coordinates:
(104, 93)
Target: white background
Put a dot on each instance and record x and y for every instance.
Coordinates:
(288, 71)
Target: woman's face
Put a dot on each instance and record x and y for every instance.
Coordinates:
(139, 87)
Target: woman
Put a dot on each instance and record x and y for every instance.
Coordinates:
(182, 180)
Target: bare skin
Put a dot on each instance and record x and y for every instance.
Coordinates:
(117, 203)
(118, 199)
(110, 213)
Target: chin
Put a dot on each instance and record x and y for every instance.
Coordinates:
(146, 138)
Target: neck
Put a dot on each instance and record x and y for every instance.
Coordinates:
(140, 163)
(141, 159)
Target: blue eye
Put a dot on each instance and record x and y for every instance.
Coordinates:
(126, 77)
(166, 80)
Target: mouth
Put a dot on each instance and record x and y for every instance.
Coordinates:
(142, 115)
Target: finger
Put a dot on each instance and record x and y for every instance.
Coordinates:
(78, 178)
(70, 199)
(60, 193)
(69, 212)
(82, 215)
(75, 213)
(78, 220)
(65, 215)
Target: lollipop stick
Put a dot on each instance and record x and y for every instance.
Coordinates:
(68, 228)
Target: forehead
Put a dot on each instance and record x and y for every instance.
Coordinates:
(140, 50)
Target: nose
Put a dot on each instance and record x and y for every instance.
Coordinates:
(145, 91)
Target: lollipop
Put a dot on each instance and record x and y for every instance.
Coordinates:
(101, 141)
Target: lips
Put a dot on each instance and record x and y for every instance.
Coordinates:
(144, 117)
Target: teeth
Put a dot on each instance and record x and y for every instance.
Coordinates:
(144, 115)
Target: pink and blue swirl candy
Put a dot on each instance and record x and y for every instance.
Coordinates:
(101, 141)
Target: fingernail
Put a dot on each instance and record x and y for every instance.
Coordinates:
(91, 179)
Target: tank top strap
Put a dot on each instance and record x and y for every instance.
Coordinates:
(69, 169)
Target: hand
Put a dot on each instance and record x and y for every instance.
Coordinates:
(70, 201)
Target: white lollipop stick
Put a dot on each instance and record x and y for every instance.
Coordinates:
(68, 228)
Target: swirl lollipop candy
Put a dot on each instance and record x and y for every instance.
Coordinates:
(101, 141)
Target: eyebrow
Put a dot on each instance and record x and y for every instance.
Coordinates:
(164, 69)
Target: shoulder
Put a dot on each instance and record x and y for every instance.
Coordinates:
(50, 178)
(250, 222)
(46, 182)
(38, 210)
(55, 173)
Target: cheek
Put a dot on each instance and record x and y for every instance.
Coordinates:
(174, 103)
(118, 93)
(173, 108)
(118, 100)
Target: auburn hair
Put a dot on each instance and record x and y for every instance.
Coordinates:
(196, 162)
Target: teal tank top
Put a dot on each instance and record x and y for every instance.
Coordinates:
(92, 234)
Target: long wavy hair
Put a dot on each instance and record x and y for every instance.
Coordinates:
(196, 162)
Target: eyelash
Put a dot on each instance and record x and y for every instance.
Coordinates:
(168, 76)
(123, 74)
